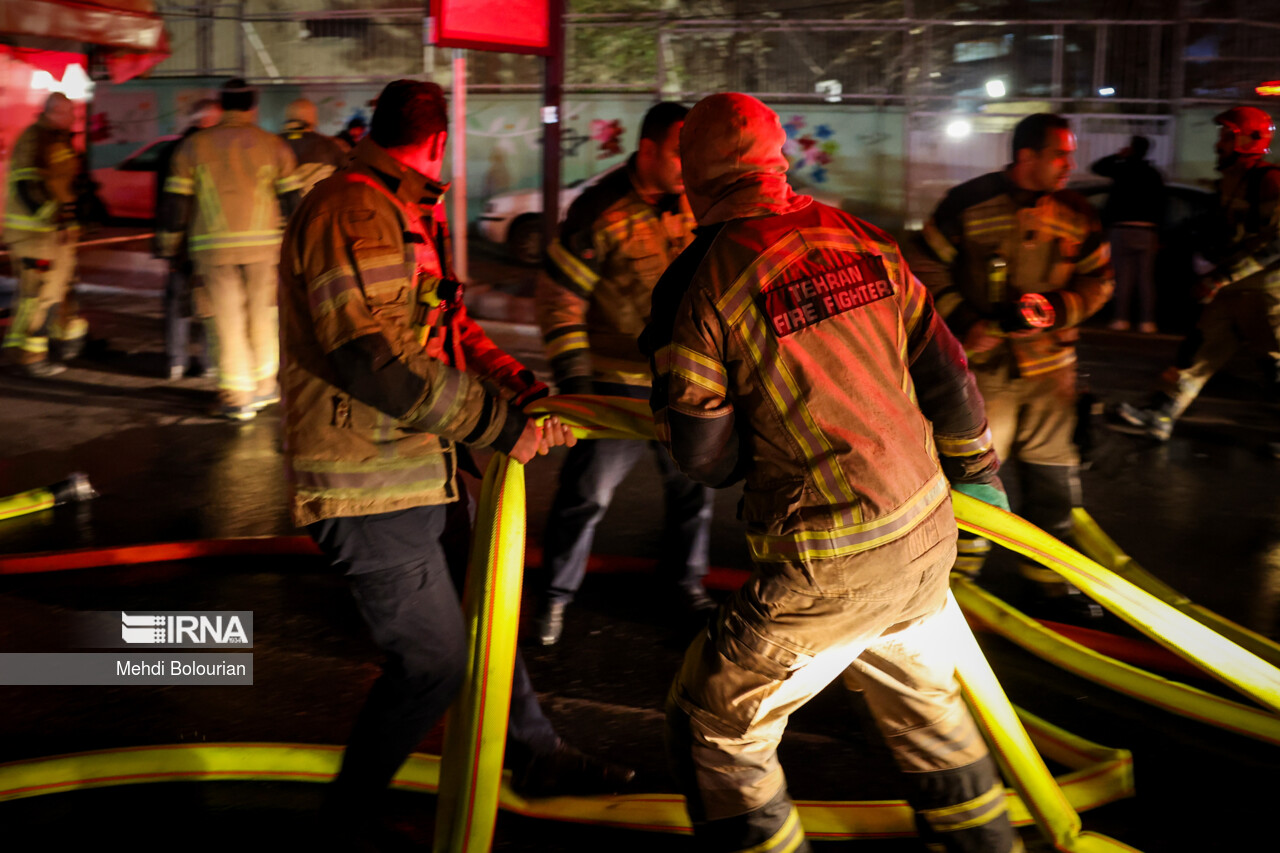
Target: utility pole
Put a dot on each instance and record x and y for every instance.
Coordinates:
(552, 89)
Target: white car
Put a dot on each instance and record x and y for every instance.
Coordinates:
(514, 219)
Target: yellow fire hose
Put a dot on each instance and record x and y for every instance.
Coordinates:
(1098, 546)
(1137, 683)
(74, 488)
(472, 787)
(476, 728)
(1049, 808)
(1182, 635)
(1098, 776)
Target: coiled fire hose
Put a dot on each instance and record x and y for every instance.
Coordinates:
(471, 789)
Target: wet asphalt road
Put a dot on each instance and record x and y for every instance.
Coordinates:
(1201, 512)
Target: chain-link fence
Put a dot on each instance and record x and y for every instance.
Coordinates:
(1131, 65)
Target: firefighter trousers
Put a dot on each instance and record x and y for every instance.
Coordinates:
(870, 619)
(238, 305)
(1032, 420)
(45, 305)
(1236, 318)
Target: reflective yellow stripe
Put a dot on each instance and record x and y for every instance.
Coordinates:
(569, 342)
(1037, 366)
(28, 173)
(289, 184)
(1072, 307)
(938, 818)
(965, 545)
(179, 186)
(243, 239)
(964, 446)
(619, 228)
(694, 367)
(941, 245)
(988, 225)
(824, 544)
(573, 267)
(785, 394)
(782, 840)
(1100, 256)
(215, 222)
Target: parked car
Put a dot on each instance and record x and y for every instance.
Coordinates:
(1186, 230)
(128, 189)
(513, 220)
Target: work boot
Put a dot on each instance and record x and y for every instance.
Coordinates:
(176, 372)
(1155, 420)
(567, 771)
(261, 401)
(234, 413)
(42, 369)
(696, 600)
(551, 622)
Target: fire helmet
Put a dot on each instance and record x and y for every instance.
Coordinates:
(1252, 127)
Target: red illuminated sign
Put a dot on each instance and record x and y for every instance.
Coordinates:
(511, 26)
(1271, 89)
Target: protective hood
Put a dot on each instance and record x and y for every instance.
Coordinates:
(300, 115)
(732, 161)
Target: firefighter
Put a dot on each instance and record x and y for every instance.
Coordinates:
(791, 347)
(1242, 293)
(387, 381)
(41, 231)
(593, 301)
(225, 194)
(318, 156)
(1015, 264)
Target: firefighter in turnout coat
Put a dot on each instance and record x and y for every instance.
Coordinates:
(791, 347)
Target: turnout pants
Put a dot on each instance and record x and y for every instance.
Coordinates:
(869, 619)
(238, 304)
(592, 472)
(1235, 318)
(1032, 420)
(45, 305)
(404, 570)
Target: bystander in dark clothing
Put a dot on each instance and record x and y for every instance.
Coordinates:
(1132, 216)
(178, 312)
(351, 134)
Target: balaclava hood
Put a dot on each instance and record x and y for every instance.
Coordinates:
(732, 160)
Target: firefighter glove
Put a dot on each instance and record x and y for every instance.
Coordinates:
(991, 493)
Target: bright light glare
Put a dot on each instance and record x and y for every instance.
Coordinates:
(959, 128)
(995, 88)
(75, 84)
(1106, 91)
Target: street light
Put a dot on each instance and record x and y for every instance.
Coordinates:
(1106, 91)
(995, 88)
(959, 128)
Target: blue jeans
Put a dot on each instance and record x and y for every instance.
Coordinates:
(404, 570)
(592, 472)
